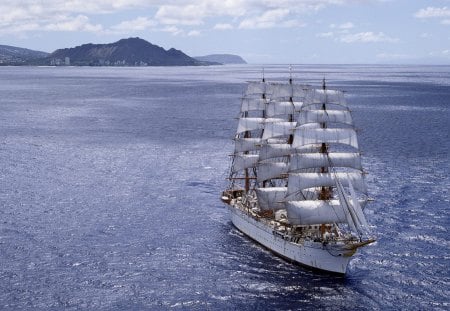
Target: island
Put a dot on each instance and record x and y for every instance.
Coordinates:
(224, 59)
(12, 55)
(125, 52)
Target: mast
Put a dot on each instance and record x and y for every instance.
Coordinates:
(291, 100)
(277, 137)
(247, 180)
(315, 170)
(325, 192)
(247, 138)
(247, 134)
(290, 74)
(263, 97)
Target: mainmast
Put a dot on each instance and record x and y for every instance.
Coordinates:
(263, 97)
(325, 192)
(291, 100)
(247, 179)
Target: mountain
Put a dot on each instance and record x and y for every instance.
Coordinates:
(11, 55)
(222, 59)
(125, 52)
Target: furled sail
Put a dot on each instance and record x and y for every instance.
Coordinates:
(271, 198)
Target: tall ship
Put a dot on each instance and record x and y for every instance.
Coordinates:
(296, 182)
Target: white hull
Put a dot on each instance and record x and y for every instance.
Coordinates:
(312, 254)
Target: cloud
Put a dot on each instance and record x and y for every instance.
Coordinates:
(361, 37)
(223, 26)
(347, 25)
(70, 15)
(194, 12)
(140, 23)
(440, 54)
(366, 37)
(391, 56)
(180, 15)
(431, 12)
(60, 15)
(174, 30)
(193, 33)
(79, 23)
(21, 28)
(292, 23)
(325, 35)
(60, 23)
(49, 10)
(54, 15)
(269, 19)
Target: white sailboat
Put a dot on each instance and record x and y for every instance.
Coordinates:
(296, 182)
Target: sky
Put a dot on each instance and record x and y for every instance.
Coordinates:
(261, 31)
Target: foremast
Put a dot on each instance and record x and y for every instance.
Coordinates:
(248, 137)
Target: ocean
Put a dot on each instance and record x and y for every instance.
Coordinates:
(110, 183)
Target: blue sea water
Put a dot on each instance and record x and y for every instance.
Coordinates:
(110, 181)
